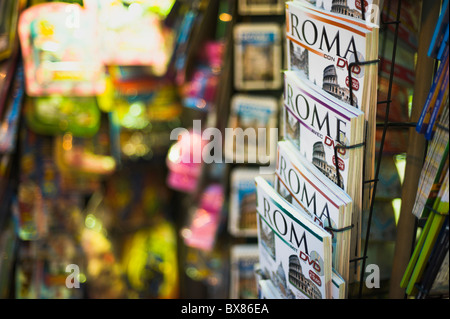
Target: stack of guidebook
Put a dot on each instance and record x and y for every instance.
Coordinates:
(309, 222)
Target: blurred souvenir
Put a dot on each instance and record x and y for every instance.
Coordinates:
(8, 69)
(38, 182)
(54, 115)
(103, 271)
(201, 232)
(57, 254)
(135, 196)
(9, 125)
(46, 264)
(60, 52)
(209, 267)
(133, 34)
(184, 166)
(85, 155)
(150, 262)
(200, 91)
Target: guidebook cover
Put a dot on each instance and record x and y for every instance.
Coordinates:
(316, 124)
(323, 47)
(294, 252)
(306, 188)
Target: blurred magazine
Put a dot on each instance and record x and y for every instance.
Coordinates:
(254, 117)
(242, 219)
(243, 281)
(257, 56)
(261, 7)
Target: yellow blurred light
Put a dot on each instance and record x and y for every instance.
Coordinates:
(400, 164)
(82, 278)
(225, 17)
(186, 233)
(193, 273)
(136, 109)
(174, 154)
(136, 138)
(67, 145)
(90, 221)
(129, 149)
(396, 206)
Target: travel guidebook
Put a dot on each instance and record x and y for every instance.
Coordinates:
(316, 124)
(294, 252)
(257, 56)
(243, 284)
(252, 119)
(242, 218)
(305, 187)
(322, 47)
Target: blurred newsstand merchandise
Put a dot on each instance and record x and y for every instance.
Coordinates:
(90, 92)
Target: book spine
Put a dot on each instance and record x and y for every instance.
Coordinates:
(444, 44)
(436, 40)
(440, 250)
(443, 93)
(436, 81)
